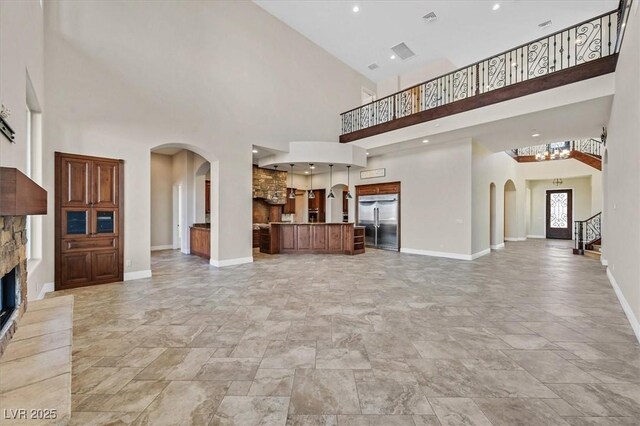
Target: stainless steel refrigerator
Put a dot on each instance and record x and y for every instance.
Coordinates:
(380, 215)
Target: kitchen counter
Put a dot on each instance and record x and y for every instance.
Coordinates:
(315, 237)
(200, 240)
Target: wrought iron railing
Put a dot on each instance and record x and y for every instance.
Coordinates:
(589, 40)
(590, 146)
(587, 232)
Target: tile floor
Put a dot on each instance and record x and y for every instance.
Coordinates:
(528, 335)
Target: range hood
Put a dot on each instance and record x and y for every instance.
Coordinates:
(19, 195)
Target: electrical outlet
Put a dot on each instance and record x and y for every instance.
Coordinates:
(128, 263)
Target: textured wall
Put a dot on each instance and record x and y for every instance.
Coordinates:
(270, 185)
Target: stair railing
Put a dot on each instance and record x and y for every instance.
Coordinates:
(586, 232)
(592, 39)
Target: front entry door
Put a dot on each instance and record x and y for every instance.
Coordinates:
(559, 213)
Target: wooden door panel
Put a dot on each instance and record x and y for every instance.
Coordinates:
(318, 237)
(304, 237)
(336, 239)
(76, 269)
(288, 236)
(76, 182)
(105, 265)
(105, 183)
(104, 222)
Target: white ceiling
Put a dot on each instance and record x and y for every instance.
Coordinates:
(466, 30)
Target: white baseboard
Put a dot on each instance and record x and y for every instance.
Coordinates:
(230, 262)
(136, 275)
(497, 246)
(512, 239)
(485, 252)
(46, 288)
(536, 236)
(446, 255)
(164, 247)
(635, 325)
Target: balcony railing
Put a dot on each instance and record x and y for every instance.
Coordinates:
(591, 146)
(587, 41)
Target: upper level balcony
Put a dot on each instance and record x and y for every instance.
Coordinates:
(586, 50)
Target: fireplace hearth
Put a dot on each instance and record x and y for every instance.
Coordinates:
(9, 297)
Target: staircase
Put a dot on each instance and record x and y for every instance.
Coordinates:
(588, 236)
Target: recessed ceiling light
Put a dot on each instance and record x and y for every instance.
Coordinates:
(312, 167)
(425, 141)
(535, 135)
(367, 153)
(392, 57)
(255, 151)
(306, 172)
(356, 9)
(496, 6)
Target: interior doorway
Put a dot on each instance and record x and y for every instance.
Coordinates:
(559, 218)
(177, 217)
(510, 212)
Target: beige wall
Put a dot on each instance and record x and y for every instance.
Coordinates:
(21, 54)
(436, 196)
(161, 201)
(621, 238)
(204, 90)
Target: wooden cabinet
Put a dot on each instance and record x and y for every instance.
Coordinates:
(207, 196)
(378, 188)
(335, 238)
(290, 206)
(200, 240)
(89, 228)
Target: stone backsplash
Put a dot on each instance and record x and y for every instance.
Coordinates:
(270, 185)
(13, 252)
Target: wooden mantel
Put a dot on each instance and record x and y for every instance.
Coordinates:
(19, 195)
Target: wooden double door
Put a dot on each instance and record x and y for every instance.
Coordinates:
(89, 231)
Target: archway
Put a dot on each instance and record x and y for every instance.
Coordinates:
(510, 212)
(180, 197)
(494, 238)
(339, 206)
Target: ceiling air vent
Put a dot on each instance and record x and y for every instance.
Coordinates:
(403, 51)
(430, 17)
(545, 24)
(373, 67)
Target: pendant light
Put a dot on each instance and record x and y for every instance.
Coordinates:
(331, 182)
(349, 196)
(292, 194)
(311, 194)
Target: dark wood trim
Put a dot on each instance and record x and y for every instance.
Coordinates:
(574, 74)
(19, 195)
(587, 159)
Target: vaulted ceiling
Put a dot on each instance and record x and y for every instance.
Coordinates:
(465, 31)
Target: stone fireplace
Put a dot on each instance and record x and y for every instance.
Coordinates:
(19, 197)
(13, 271)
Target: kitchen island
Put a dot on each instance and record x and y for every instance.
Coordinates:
(287, 237)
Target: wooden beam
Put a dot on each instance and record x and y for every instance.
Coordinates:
(19, 195)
